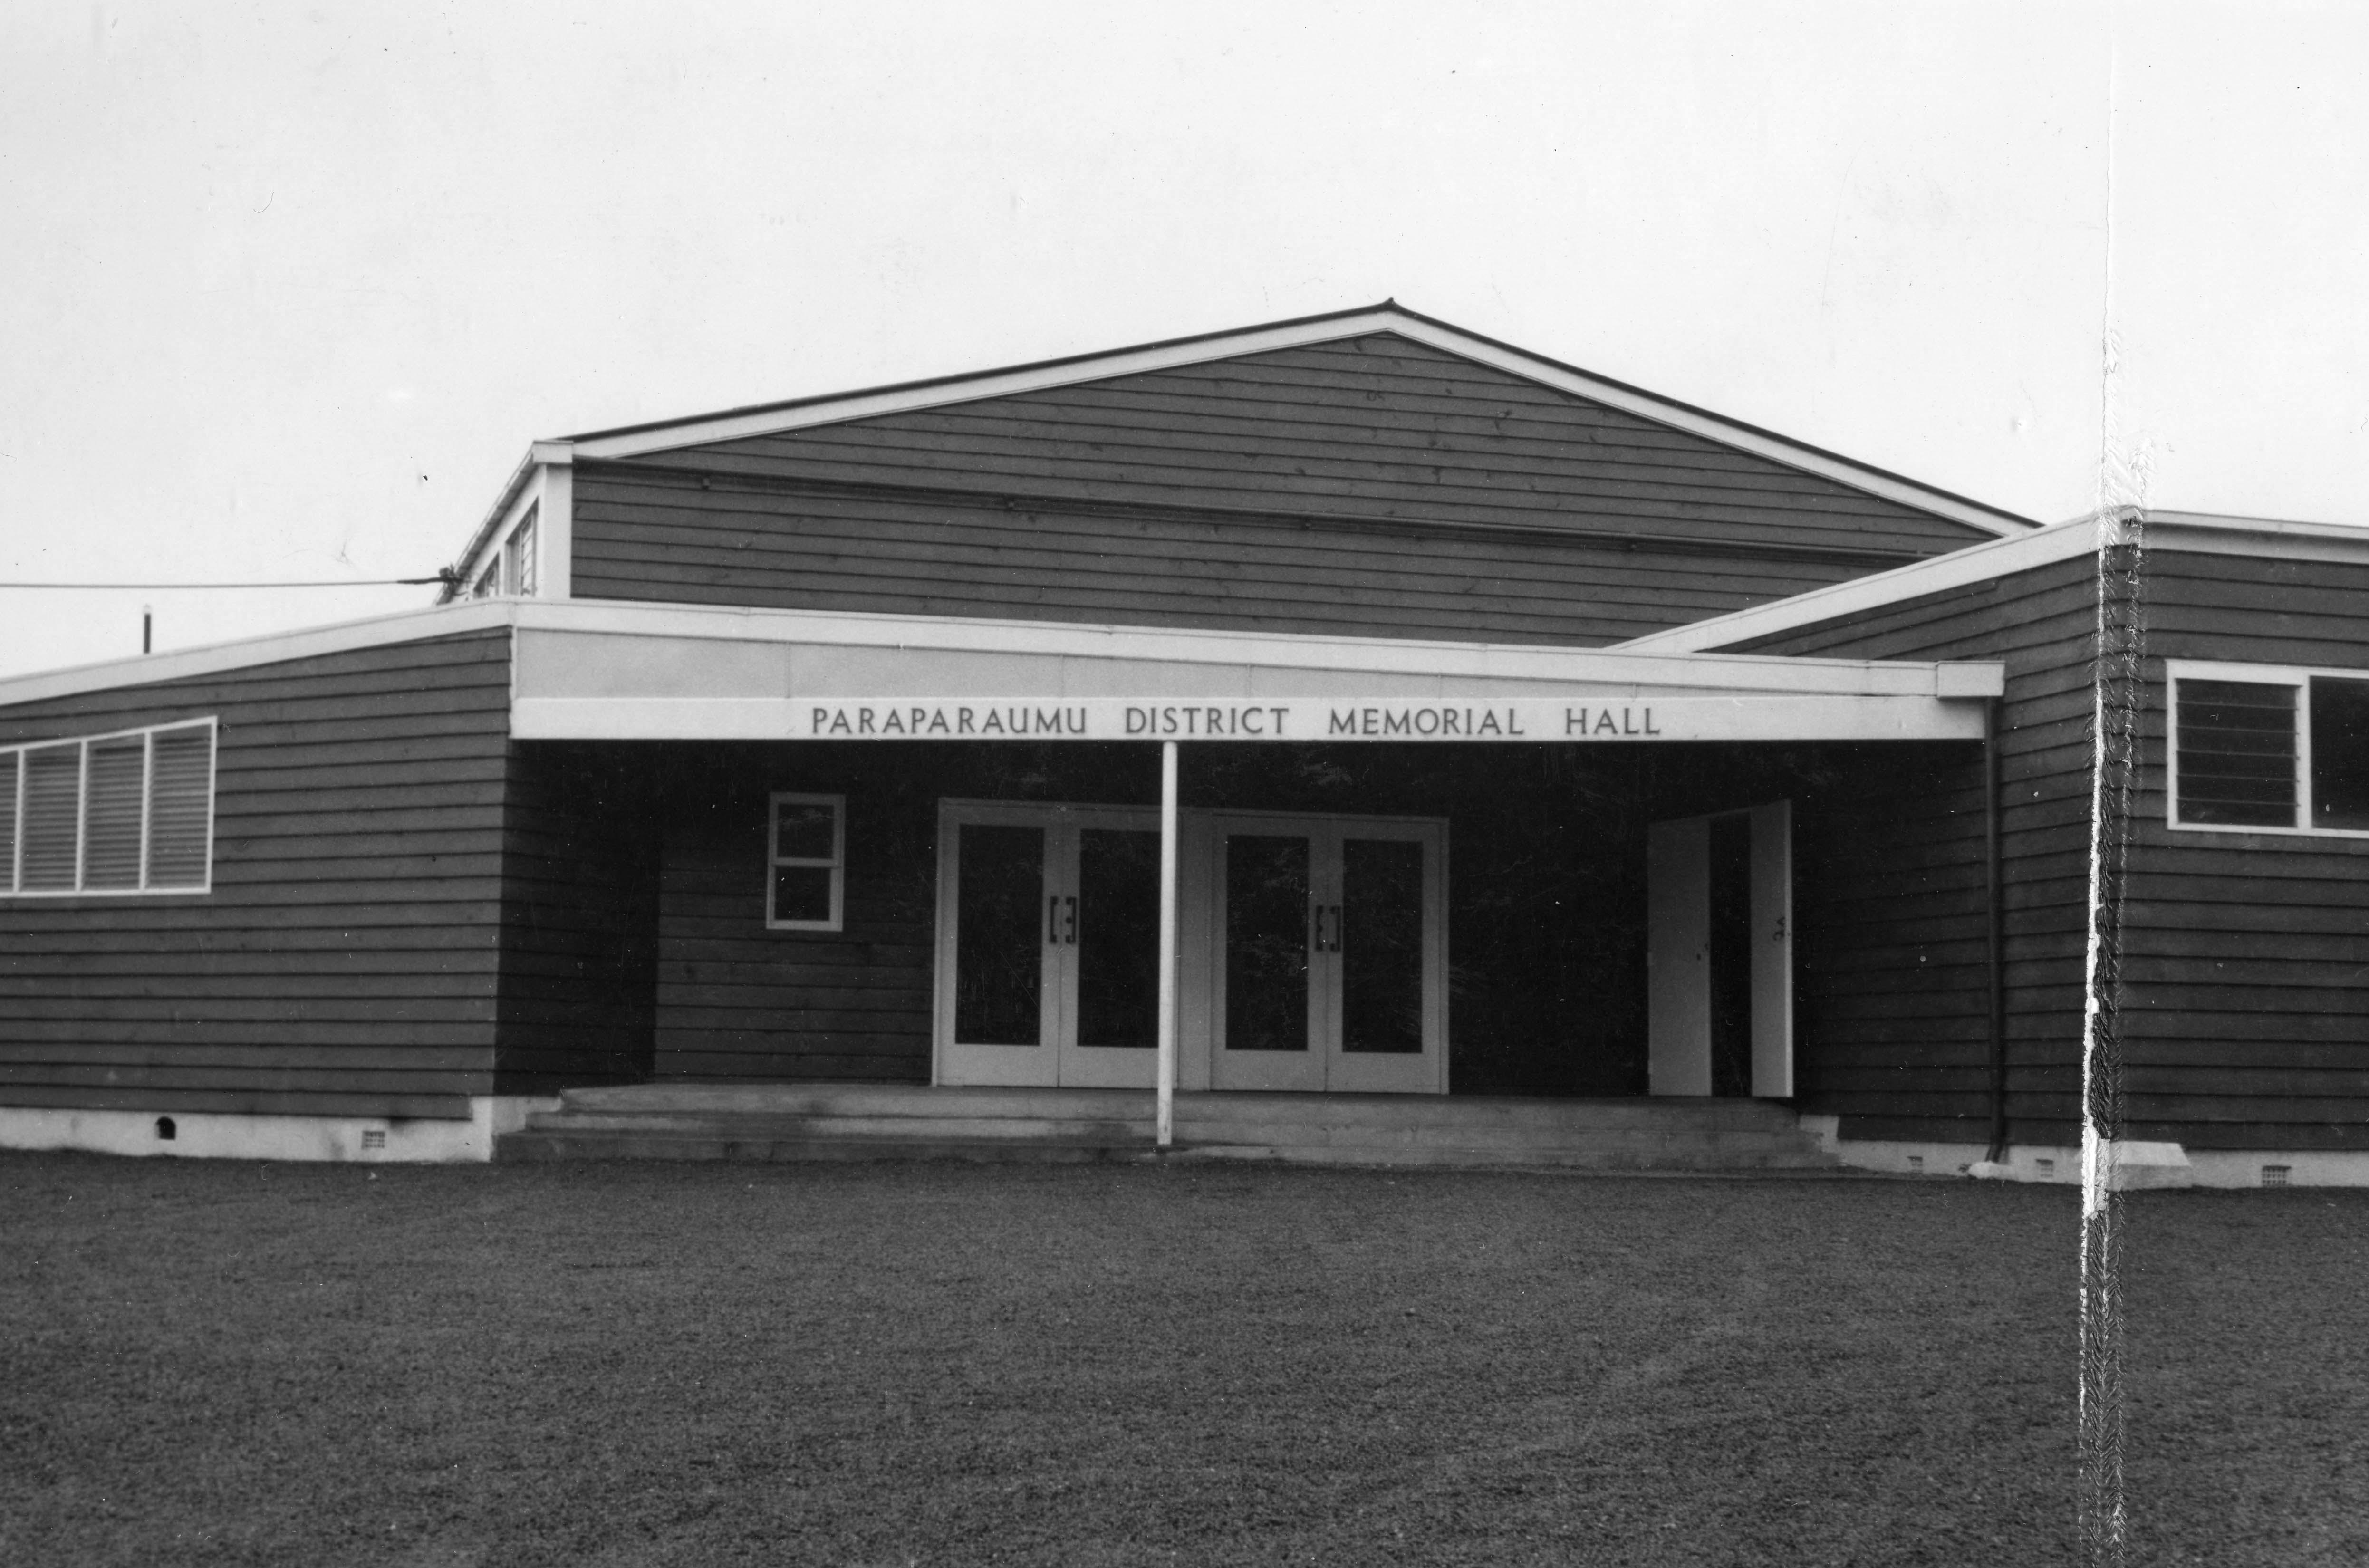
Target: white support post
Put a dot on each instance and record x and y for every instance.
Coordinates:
(1167, 1065)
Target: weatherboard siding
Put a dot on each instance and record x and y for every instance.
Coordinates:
(1373, 427)
(346, 960)
(736, 1001)
(2245, 967)
(579, 921)
(667, 536)
(1371, 488)
(1894, 1003)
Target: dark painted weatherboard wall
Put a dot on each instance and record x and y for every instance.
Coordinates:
(1892, 1018)
(346, 960)
(579, 919)
(1371, 487)
(2245, 966)
(1546, 885)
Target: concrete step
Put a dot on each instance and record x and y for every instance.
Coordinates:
(1383, 1110)
(534, 1144)
(969, 1128)
(841, 1121)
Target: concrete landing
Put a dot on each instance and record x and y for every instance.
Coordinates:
(861, 1121)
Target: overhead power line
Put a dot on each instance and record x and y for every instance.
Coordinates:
(438, 581)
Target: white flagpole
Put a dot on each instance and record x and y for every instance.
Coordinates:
(1167, 1024)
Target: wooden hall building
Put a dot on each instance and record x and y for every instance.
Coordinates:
(1350, 707)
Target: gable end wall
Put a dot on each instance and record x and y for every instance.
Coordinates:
(1374, 486)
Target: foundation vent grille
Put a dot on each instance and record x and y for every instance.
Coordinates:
(2276, 1175)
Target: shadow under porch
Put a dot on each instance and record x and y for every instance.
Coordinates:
(638, 950)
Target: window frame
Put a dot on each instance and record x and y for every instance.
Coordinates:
(2299, 677)
(521, 564)
(12, 859)
(837, 863)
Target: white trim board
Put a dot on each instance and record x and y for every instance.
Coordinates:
(1960, 568)
(214, 658)
(1604, 671)
(1607, 671)
(734, 424)
(1461, 718)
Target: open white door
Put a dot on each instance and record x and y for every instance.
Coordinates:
(1719, 934)
(1678, 955)
(1772, 951)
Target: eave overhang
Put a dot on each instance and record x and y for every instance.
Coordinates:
(2192, 533)
(603, 670)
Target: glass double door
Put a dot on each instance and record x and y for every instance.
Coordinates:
(1328, 955)
(1049, 929)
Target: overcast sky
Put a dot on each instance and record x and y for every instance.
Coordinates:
(285, 289)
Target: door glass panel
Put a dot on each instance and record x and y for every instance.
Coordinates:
(1266, 944)
(1381, 945)
(999, 925)
(1118, 938)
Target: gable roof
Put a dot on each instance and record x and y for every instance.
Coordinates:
(627, 441)
(633, 441)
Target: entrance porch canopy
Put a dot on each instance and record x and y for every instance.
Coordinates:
(618, 671)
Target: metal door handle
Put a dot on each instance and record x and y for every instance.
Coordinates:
(1074, 921)
(1053, 920)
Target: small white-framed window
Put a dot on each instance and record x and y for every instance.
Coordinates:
(2269, 749)
(806, 862)
(518, 555)
(128, 812)
(489, 581)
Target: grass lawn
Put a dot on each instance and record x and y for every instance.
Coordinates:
(941, 1364)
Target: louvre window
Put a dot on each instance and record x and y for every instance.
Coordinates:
(51, 830)
(2238, 754)
(806, 862)
(180, 806)
(112, 807)
(520, 555)
(126, 813)
(2285, 751)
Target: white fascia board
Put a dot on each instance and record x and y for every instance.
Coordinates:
(2185, 532)
(1296, 335)
(1960, 568)
(1655, 670)
(1601, 668)
(2207, 534)
(313, 642)
(1727, 432)
(1347, 718)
